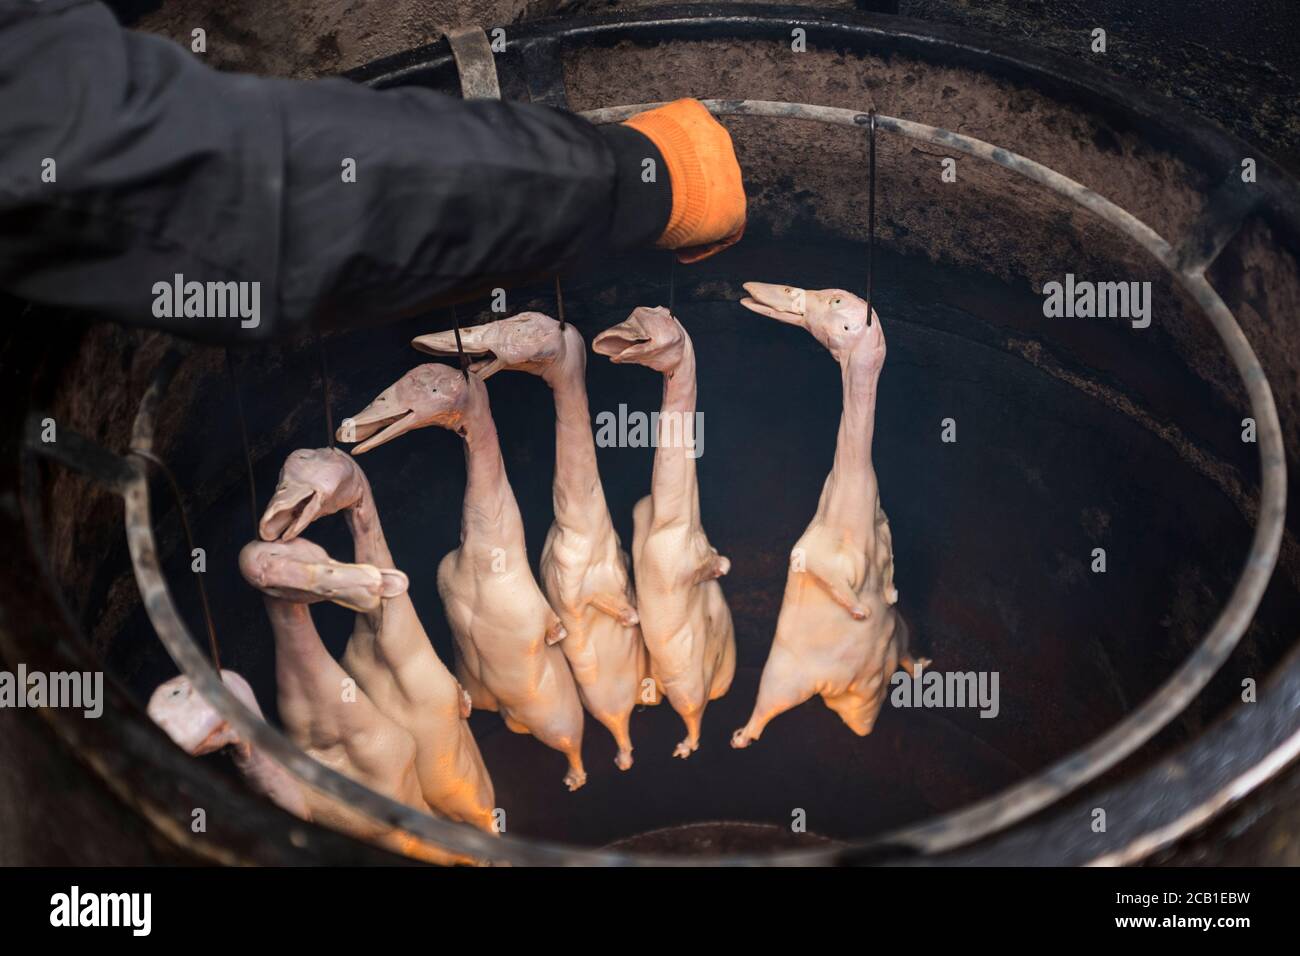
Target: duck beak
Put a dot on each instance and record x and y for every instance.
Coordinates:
(378, 423)
(781, 302)
(293, 507)
(302, 573)
(622, 342)
(357, 587)
(475, 340)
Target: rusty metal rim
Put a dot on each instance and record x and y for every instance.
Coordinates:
(1234, 790)
(944, 833)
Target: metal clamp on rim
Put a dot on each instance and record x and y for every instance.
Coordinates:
(475, 63)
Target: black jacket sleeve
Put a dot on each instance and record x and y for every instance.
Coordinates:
(126, 163)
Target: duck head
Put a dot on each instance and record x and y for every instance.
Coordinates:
(649, 336)
(432, 394)
(837, 319)
(527, 342)
(301, 572)
(190, 721)
(314, 482)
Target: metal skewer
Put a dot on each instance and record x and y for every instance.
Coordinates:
(672, 280)
(871, 209)
(559, 303)
(460, 349)
(243, 440)
(325, 390)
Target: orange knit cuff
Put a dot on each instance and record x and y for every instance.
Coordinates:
(690, 211)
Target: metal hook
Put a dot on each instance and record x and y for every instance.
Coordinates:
(460, 349)
(871, 210)
(559, 302)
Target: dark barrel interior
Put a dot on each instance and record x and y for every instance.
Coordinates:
(1072, 435)
(993, 536)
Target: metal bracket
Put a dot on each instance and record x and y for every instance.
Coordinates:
(75, 451)
(1226, 210)
(544, 73)
(475, 63)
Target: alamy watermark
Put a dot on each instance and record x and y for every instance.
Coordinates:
(75, 690)
(208, 300)
(950, 689)
(1085, 299)
(75, 908)
(624, 429)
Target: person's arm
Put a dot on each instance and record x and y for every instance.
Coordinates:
(125, 162)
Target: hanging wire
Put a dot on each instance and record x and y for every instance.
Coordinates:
(325, 390)
(189, 541)
(559, 303)
(243, 438)
(460, 349)
(672, 280)
(871, 210)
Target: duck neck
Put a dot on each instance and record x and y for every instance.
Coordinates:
(576, 492)
(369, 545)
(265, 774)
(673, 487)
(303, 667)
(848, 500)
(490, 512)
